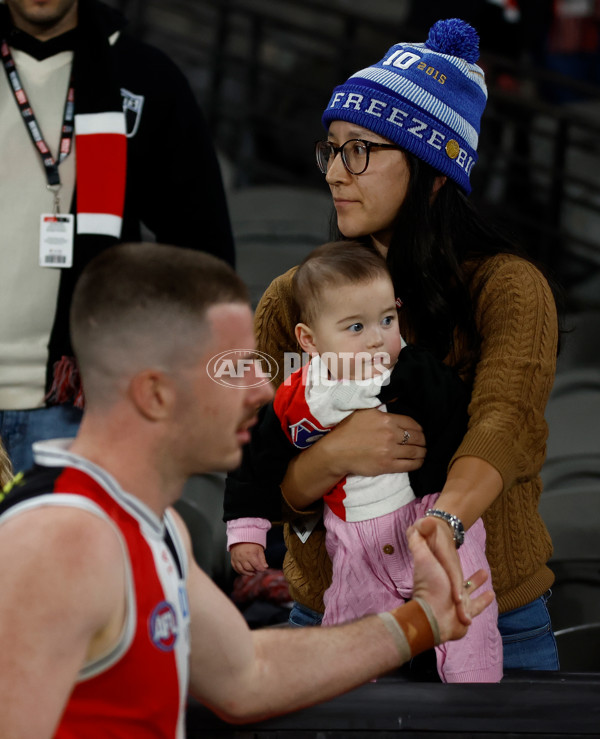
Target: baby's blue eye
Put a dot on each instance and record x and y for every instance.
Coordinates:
(388, 320)
(356, 327)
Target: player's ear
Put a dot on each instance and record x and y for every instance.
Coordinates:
(153, 394)
(305, 337)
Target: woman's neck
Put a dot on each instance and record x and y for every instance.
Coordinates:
(381, 247)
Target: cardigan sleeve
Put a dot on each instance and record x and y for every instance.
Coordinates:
(517, 322)
(275, 319)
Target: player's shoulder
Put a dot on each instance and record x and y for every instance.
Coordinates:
(75, 540)
(35, 506)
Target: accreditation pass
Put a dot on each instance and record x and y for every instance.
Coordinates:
(56, 239)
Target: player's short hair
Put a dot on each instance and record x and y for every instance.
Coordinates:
(143, 304)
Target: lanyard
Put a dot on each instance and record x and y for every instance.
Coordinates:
(66, 138)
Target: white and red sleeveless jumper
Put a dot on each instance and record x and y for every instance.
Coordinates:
(138, 689)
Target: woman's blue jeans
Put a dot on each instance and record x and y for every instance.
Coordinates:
(20, 429)
(304, 616)
(527, 637)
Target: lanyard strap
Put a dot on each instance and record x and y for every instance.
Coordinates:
(66, 138)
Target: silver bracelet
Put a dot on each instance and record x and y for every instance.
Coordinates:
(458, 530)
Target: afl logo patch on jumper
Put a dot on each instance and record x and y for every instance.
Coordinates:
(162, 626)
(304, 433)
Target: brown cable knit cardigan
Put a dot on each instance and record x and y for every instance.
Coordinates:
(516, 318)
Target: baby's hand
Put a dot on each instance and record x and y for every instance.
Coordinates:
(248, 558)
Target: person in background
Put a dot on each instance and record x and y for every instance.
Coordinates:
(100, 134)
(401, 143)
(106, 621)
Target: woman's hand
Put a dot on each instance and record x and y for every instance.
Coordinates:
(367, 443)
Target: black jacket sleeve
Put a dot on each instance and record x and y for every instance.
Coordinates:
(174, 183)
(433, 394)
(252, 490)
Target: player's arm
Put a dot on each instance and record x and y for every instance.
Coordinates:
(246, 675)
(63, 597)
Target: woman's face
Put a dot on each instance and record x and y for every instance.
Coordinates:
(367, 204)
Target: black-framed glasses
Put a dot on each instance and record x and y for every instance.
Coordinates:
(355, 154)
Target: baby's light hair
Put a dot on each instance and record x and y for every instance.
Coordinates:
(331, 265)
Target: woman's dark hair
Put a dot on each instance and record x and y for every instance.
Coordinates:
(432, 239)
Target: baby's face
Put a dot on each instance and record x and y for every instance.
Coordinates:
(357, 331)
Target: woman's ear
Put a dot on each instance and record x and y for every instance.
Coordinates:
(438, 183)
(305, 337)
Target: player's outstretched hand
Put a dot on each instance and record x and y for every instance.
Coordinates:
(432, 581)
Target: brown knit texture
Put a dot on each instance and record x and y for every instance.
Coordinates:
(516, 319)
(5, 467)
(275, 319)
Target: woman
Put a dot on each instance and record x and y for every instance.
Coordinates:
(401, 143)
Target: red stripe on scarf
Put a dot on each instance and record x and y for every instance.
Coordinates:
(101, 170)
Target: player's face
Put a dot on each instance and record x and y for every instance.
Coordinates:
(43, 18)
(358, 324)
(216, 410)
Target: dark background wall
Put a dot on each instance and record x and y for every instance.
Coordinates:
(263, 71)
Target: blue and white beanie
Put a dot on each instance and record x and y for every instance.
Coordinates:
(427, 98)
